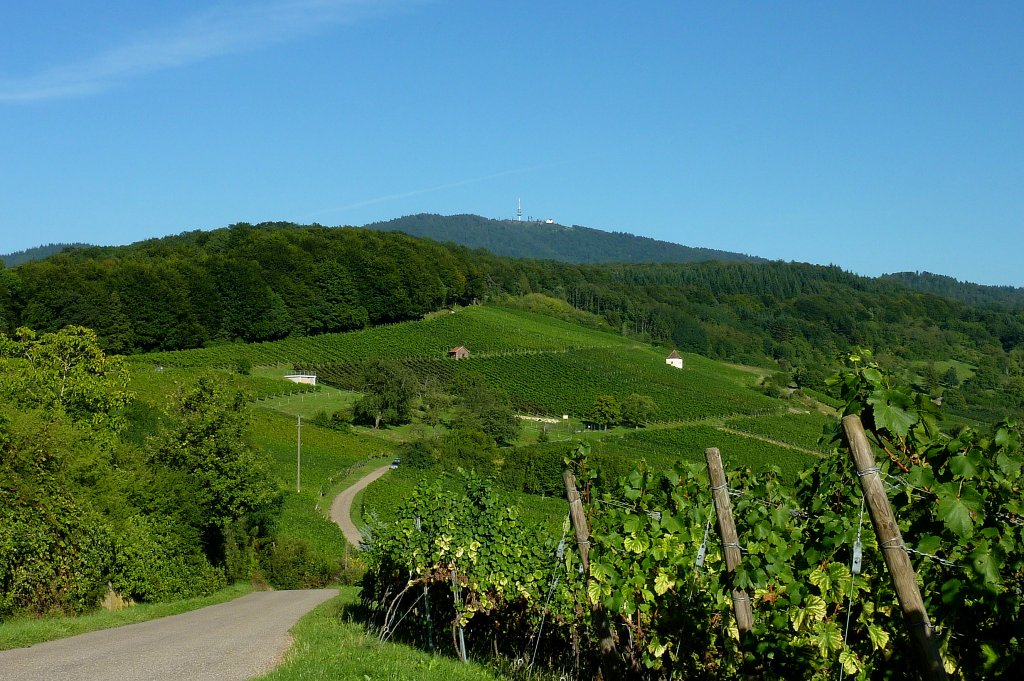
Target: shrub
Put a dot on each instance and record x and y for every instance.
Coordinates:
(153, 562)
(292, 563)
(55, 555)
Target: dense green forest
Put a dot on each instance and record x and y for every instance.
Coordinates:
(275, 280)
(535, 239)
(964, 291)
(243, 283)
(37, 253)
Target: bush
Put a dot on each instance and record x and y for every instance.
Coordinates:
(340, 421)
(155, 562)
(55, 555)
(292, 563)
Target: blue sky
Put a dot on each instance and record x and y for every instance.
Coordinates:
(880, 137)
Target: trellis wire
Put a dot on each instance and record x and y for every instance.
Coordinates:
(559, 555)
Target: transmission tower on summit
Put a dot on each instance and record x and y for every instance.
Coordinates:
(519, 211)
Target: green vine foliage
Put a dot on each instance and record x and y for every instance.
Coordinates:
(957, 499)
(667, 611)
(959, 503)
(463, 559)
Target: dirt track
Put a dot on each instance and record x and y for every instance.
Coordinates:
(341, 508)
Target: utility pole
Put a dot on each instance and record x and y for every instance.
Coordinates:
(298, 459)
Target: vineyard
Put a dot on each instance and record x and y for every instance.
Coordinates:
(800, 429)
(483, 329)
(153, 383)
(660, 448)
(554, 383)
(457, 570)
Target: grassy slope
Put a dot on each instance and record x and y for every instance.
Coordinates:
(330, 645)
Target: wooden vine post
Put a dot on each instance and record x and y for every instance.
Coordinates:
(730, 540)
(579, 523)
(890, 539)
(579, 519)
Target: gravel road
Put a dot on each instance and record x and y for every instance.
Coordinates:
(240, 639)
(341, 508)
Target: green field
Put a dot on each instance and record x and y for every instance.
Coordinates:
(155, 382)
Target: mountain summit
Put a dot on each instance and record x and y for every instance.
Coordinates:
(550, 241)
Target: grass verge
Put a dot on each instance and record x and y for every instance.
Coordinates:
(20, 632)
(329, 644)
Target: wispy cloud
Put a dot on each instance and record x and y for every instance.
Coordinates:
(215, 32)
(387, 198)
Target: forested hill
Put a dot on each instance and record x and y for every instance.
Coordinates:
(541, 240)
(37, 253)
(241, 283)
(264, 282)
(966, 292)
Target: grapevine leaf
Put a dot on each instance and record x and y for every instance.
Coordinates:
(662, 583)
(921, 476)
(821, 579)
(671, 524)
(1008, 465)
(985, 564)
(1007, 439)
(893, 411)
(955, 515)
(839, 575)
(929, 543)
(963, 466)
(635, 544)
(873, 376)
(828, 638)
(951, 591)
(990, 654)
(815, 607)
(798, 617)
(850, 662)
(594, 592)
(879, 636)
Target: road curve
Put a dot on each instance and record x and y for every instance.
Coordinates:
(237, 640)
(341, 508)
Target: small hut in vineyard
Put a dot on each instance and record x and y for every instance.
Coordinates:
(461, 352)
(674, 359)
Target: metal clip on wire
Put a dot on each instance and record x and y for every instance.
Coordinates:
(702, 552)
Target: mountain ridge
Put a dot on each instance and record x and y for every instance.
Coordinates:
(542, 240)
